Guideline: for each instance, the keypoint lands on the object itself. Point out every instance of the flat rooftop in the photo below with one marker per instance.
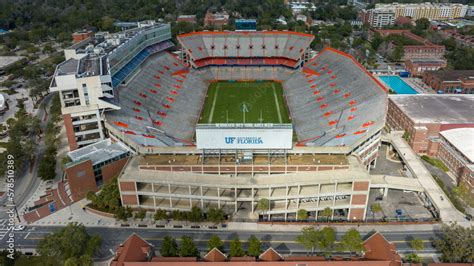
(462, 139)
(437, 108)
(98, 152)
(452, 75)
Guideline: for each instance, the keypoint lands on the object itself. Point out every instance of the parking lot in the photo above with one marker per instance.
(409, 205)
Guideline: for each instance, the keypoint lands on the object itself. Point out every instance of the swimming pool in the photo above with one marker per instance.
(398, 85)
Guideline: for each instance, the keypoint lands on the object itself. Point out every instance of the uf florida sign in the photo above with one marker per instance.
(244, 136)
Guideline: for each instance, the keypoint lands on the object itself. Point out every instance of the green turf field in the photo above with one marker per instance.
(259, 102)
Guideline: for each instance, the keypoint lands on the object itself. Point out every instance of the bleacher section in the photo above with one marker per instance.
(161, 104)
(246, 73)
(245, 48)
(135, 62)
(334, 101)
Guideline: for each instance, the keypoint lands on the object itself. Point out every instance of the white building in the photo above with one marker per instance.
(378, 18)
(94, 68)
(432, 11)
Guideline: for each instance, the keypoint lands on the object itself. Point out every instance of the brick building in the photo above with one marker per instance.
(418, 66)
(187, 18)
(457, 152)
(423, 116)
(422, 49)
(450, 81)
(79, 36)
(93, 166)
(216, 19)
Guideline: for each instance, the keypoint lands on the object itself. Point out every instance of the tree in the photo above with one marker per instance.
(351, 241)
(215, 242)
(196, 214)
(169, 247)
(327, 212)
(309, 238)
(375, 208)
(140, 214)
(160, 215)
(422, 24)
(187, 248)
(123, 213)
(236, 249)
(263, 204)
(60, 247)
(456, 244)
(327, 237)
(215, 216)
(302, 214)
(413, 258)
(417, 244)
(254, 246)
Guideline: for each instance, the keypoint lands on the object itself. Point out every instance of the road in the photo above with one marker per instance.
(283, 242)
(26, 182)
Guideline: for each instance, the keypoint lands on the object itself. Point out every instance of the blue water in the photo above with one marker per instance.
(398, 85)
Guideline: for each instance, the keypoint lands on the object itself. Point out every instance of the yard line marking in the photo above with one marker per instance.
(276, 103)
(213, 104)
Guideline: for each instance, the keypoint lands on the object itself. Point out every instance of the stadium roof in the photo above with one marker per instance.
(437, 108)
(462, 139)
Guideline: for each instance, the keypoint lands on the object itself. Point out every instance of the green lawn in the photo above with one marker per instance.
(259, 102)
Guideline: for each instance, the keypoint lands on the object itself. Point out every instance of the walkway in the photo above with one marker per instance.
(448, 213)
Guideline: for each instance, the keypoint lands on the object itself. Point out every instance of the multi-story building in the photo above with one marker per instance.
(180, 182)
(435, 11)
(93, 166)
(423, 116)
(187, 18)
(93, 69)
(457, 152)
(418, 66)
(422, 48)
(450, 81)
(377, 18)
(216, 19)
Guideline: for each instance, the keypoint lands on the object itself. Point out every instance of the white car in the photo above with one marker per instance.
(19, 227)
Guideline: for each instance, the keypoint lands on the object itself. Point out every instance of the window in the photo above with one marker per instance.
(250, 46)
(238, 46)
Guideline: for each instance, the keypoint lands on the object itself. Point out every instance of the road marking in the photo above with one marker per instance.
(276, 103)
(27, 235)
(213, 104)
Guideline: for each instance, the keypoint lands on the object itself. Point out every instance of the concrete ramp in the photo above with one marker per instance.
(395, 182)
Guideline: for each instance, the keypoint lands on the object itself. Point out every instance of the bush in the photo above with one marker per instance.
(435, 162)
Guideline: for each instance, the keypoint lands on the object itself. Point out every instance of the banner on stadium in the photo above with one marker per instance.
(254, 138)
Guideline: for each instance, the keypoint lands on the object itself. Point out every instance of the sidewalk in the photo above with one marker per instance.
(75, 213)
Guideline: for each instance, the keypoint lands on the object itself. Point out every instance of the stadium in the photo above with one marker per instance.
(233, 118)
(256, 79)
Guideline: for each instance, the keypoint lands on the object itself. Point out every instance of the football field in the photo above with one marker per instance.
(249, 102)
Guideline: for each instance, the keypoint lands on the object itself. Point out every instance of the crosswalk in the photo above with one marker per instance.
(3, 228)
